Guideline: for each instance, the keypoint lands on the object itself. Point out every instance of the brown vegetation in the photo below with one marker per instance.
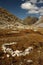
(24, 39)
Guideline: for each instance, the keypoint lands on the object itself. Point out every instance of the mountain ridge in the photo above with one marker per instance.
(8, 20)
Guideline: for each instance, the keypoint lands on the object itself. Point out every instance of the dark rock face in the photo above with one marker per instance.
(30, 20)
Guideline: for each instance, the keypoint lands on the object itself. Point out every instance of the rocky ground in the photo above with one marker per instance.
(22, 48)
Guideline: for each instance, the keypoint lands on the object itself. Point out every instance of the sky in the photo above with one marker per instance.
(23, 8)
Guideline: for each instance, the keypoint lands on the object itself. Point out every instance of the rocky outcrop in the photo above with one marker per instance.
(30, 20)
(7, 20)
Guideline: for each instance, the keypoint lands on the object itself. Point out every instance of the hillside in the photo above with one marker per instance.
(7, 19)
(25, 47)
(30, 20)
(21, 43)
(39, 23)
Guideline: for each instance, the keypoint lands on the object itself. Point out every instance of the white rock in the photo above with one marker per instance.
(8, 55)
(29, 61)
(35, 30)
(28, 49)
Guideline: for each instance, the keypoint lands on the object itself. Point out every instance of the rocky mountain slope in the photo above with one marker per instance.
(39, 23)
(30, 20)
(7, 19)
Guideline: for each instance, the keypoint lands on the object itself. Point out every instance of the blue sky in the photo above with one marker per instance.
(23, 8)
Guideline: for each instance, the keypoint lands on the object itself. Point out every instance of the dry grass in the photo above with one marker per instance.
(24, 39)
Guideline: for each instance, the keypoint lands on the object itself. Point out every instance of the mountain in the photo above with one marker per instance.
(7, 19)
(30, 20)
(39, 23)
(10, 21)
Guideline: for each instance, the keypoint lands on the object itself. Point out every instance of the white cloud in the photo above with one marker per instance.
(33, 12)
(28, 5)
(35, 1)
(41, 1)
(41, 14)
(32, 8)
(41, 9)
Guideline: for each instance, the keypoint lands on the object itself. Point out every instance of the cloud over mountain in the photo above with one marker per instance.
(32, 8)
